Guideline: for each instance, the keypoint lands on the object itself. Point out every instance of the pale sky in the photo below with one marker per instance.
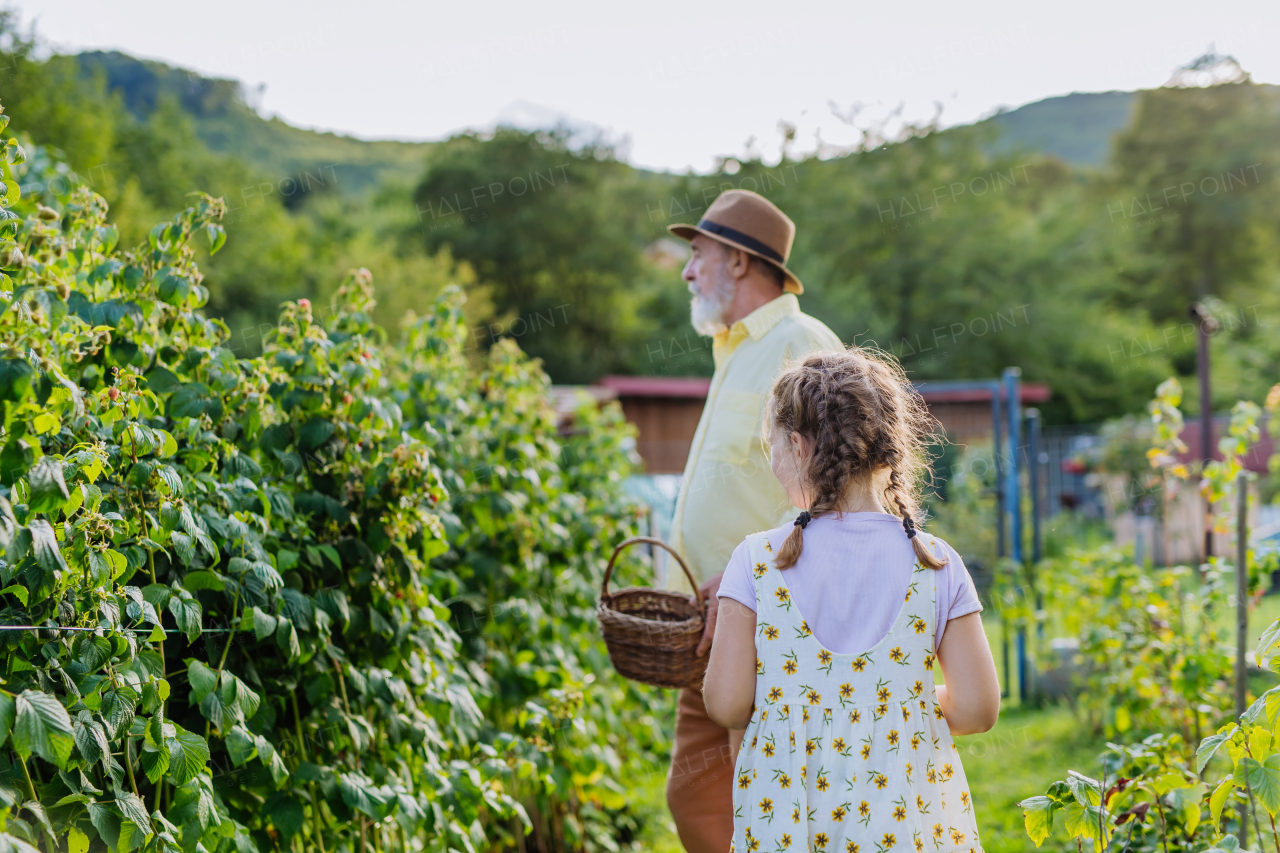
(682, 83)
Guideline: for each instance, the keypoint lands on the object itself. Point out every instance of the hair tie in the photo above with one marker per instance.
(909, 526)
(803, 519)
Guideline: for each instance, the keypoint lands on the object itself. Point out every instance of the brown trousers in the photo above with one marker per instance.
(700, 785)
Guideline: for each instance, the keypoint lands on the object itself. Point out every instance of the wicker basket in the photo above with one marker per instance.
(652, 634)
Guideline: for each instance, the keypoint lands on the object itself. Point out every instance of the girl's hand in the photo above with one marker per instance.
(730, 686)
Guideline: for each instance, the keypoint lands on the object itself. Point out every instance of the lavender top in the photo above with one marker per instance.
(852, 577)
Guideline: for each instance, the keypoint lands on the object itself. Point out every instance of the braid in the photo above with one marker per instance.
(900, 495)
(862, 418)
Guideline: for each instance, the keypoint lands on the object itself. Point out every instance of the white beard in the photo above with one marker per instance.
(707, 312)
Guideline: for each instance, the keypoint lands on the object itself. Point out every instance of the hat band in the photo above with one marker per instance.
(738, 237)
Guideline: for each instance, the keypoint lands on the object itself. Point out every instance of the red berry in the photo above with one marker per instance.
(113, 393)
(346, 398)
(304, 303)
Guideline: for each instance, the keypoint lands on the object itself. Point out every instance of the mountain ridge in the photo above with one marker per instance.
(1077, 127)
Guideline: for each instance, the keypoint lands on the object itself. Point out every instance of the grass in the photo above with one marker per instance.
(1027, 749)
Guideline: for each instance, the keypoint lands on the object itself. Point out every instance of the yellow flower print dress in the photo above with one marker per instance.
(847, 753)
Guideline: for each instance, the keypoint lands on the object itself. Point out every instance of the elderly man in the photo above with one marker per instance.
(744, 298)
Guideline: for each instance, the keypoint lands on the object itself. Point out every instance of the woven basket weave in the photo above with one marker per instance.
(652, 634)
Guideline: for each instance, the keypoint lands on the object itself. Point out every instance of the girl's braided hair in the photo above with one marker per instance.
(863, 419)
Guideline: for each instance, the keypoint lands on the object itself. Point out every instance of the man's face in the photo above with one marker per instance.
(711, 284)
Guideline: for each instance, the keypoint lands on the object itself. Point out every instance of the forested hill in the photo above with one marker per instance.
(228, 125)
(1076, 127)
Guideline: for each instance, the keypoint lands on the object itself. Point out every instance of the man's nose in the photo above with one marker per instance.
(687, 273)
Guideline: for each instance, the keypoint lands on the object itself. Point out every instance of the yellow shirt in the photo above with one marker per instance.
(728, 491)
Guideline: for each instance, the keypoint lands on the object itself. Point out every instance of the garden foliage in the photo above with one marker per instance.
(245, 577)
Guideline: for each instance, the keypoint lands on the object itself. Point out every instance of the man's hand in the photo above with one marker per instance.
(708, 594)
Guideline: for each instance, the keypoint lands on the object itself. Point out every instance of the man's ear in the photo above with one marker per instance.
(739, 263)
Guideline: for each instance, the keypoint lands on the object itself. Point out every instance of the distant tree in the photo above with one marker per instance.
(556, 232)
(1194, 177)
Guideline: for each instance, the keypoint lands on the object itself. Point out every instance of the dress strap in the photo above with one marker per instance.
(773, 598)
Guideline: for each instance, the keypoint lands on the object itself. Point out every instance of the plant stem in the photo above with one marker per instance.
(50, 844)
(231, 635)
(315, 817)
(128, 763)
(1164, 826)
(342, 684)
(302, 753)
(1275, 839)
(30, 787)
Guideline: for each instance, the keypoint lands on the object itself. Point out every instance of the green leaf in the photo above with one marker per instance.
(7, 711)
(186, 612)
(16, 375)
(315, 432)
(193, 400)
(15, 459)
(155, 761)
(77, 841)
(105, 821)
(48, 488)
(287, 639)
(285, 813)
(19, 592)
(203, 580)
(264, 624)
(240, 746)
(237, 695)
(174, 288)
(1218, 799)
(1264, 781)
(202, 679)
(44, 543)
(133, 809)
(42, 727)
(118, 709)
(158, 595)
(1037, 814)
(162, 380)
(91, 739)
(361, 794)
(169, 477)
(217, 236)
(188, 755)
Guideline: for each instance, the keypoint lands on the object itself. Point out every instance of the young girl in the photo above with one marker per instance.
(829, 631)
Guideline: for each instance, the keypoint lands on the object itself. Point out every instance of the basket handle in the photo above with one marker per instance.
(636, 540)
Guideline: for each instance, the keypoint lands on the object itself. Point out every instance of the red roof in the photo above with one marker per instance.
(698, 388)
(1029, 392)
(658, 386)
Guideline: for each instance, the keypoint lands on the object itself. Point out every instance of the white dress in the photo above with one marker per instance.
(847, 753)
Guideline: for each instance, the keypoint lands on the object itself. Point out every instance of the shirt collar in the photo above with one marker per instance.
(758, 323)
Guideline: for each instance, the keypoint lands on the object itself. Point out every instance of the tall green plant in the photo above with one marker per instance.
(234, 633)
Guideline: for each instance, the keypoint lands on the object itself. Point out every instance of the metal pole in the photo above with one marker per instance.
(1012, 393)
(1242, 614)
(1206, 326)
(1034, 463)
(997, 428)
(1242, 586)
(1013, 493)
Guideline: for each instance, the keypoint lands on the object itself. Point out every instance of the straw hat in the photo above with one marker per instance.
(750, 222)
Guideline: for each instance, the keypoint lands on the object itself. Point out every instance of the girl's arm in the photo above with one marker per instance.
(970, 699)
(729, 690)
